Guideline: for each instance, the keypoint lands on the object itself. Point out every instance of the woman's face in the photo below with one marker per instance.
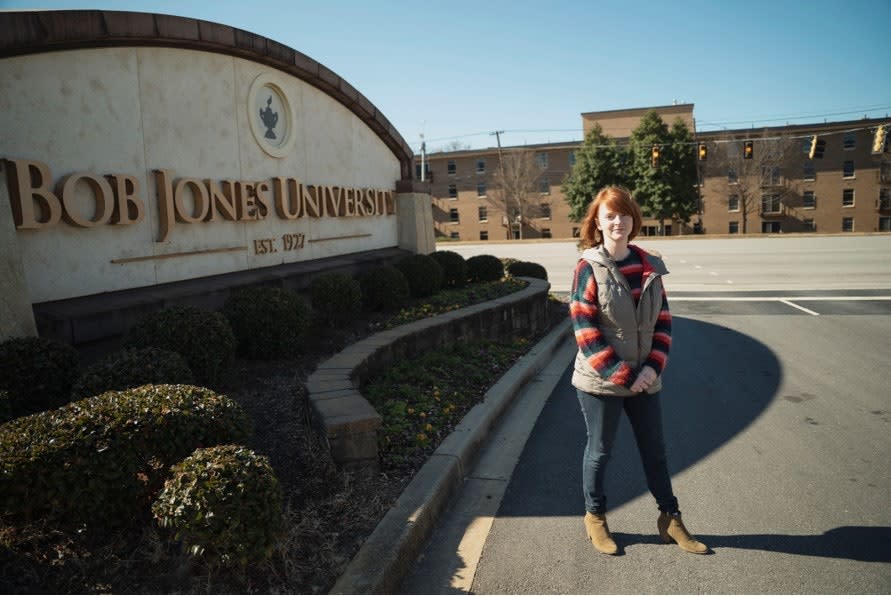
(613, 224)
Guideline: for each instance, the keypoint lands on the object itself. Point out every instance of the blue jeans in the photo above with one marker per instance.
(602, 421)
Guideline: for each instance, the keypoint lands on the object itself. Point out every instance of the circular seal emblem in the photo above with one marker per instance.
(271, 116)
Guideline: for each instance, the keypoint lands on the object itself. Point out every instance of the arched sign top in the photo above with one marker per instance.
(50, 31)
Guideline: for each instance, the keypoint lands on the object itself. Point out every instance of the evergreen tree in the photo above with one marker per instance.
(599, 162)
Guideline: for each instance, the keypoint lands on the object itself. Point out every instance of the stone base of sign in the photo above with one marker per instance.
(16, 317)
(102, 317)
(415, 211)
(350, 423)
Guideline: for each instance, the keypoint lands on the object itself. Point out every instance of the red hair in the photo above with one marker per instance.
(618, 199)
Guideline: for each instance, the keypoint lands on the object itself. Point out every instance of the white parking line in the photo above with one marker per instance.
(807, 310)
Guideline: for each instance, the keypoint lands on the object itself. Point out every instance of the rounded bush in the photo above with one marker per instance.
(37, 373)
(204, 338)
(527, 269)
(268, 322)
(384, 288)
(336, 297)
(102, 459)
(454, 268)
(423, 273)
(484, 268)
(224, 503)
(133, 367)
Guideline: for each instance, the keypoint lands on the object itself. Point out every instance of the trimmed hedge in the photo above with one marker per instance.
(423, 273)
(102, 459)
(336, 297)
(223, 503)
(133, 367)
(267, 322)
(454, 268)
(37, 373)
(527, 269)
(484, 268)
(384, 288)
(204, 338)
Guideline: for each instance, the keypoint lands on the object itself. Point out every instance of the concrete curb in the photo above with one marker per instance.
(387, 555)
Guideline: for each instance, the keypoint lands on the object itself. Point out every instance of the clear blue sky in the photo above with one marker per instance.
(457, 70)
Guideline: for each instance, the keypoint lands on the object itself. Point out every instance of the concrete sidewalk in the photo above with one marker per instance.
(389, 553)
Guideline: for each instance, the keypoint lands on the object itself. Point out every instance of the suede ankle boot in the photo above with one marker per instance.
(671, 528)
(598, 532)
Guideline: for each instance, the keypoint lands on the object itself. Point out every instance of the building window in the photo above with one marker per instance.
(733, 203)
(453, 215)
(848, 197)
(810, 226)
(732, 177)
(545, 210)
(428, 174)
(806, 145)
(848, 169)
(484, 234)
(576, 232)
(733, 227)
(810, 171)
(484, 214)
(453, 191)
(884, 199)
(481, 166)
(451, 168)
(770, 227)
(808, 200)
(480, 189)
(544, 187)
(571, 159)
(850, 141)
(770, 176)
(541, 159)
(885, 224)
(847, 224)
(455, 235)
(546, 232)
(771, 204)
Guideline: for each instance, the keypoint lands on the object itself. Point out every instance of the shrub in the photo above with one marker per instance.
(268, 322)
(454, 268)
(484, 268)
(204, 338)
(133, 367)
(384, 288)
(101, 459)
(37, 373)
(336, 297)
(527, 269)
(423, 273)
(224, 503)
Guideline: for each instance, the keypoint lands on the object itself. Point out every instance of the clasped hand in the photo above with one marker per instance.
(645, 378)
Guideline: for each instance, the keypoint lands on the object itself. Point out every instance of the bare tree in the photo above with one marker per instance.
(759, 181)
(516, 185)
(453, 145)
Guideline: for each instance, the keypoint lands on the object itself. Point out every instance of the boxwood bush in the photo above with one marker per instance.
(102, 459)
(336, 297)
(454, 268)
(204, 338)
(384, 288)
(37, 373)
(423, 273)
(484, 268)
(133, 367)
(527, 269)
(268, 322)
(223, 503)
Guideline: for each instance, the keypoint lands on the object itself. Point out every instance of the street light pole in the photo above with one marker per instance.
(510, 228)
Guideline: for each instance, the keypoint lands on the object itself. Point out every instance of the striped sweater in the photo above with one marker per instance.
(584, 313)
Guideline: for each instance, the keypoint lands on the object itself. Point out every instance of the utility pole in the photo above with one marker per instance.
(510, 224)
(423, 158)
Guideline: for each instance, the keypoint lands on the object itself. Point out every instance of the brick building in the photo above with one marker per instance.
(779, 189)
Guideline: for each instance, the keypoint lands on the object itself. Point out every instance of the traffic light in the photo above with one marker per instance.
(703, 151)
(655, 156)
(748, 150)
(880, 142)
(818, 145)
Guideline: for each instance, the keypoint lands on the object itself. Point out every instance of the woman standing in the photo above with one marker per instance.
(623, 329)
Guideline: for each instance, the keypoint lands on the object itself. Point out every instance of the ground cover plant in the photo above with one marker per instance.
(326, 512)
